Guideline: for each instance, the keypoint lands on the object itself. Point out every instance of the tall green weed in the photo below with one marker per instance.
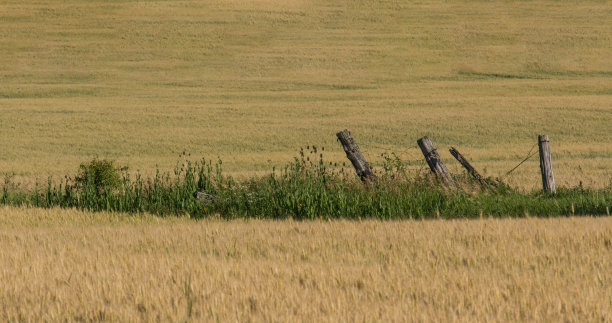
(306, 188)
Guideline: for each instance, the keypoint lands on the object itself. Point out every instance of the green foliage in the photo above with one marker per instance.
(101, 175)
(307, 188)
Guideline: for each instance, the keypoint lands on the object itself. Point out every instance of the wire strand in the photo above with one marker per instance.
(530, 154)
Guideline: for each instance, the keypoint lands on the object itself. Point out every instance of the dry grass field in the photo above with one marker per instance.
(252, 81)
(58, 265)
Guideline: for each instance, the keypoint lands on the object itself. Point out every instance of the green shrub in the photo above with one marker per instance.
(101, 175)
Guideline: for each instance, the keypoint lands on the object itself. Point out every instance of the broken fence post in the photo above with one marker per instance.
(548, 179)
(433, 160)
(354, 155)
(468, 167)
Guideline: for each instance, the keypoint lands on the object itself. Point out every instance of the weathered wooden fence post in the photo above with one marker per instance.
(354, 155)
(548, 179)
(433, 160)
(468, 167)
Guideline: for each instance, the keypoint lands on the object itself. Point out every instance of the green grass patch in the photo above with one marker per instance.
(307, 188)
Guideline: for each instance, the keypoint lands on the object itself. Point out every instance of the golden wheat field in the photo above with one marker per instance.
(67, 265)
(251, 81)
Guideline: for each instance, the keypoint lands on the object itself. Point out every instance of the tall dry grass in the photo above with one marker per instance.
(67, 265)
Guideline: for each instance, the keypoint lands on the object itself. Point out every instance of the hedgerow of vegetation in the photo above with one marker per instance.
(307, 188)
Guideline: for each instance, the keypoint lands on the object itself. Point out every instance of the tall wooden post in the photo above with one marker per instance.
(433, 160)
(548, 179)
(468, 167)
(354, 155)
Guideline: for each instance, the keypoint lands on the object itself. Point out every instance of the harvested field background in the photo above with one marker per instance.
(65, 264)
(252, 81)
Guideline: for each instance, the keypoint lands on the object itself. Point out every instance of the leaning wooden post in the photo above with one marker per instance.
(354, 155)
(548, 179)
(468, 167)
(433, 160)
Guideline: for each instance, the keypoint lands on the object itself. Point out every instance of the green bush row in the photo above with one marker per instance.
(303, 189)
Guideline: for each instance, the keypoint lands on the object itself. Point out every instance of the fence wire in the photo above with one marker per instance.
(530, 154)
